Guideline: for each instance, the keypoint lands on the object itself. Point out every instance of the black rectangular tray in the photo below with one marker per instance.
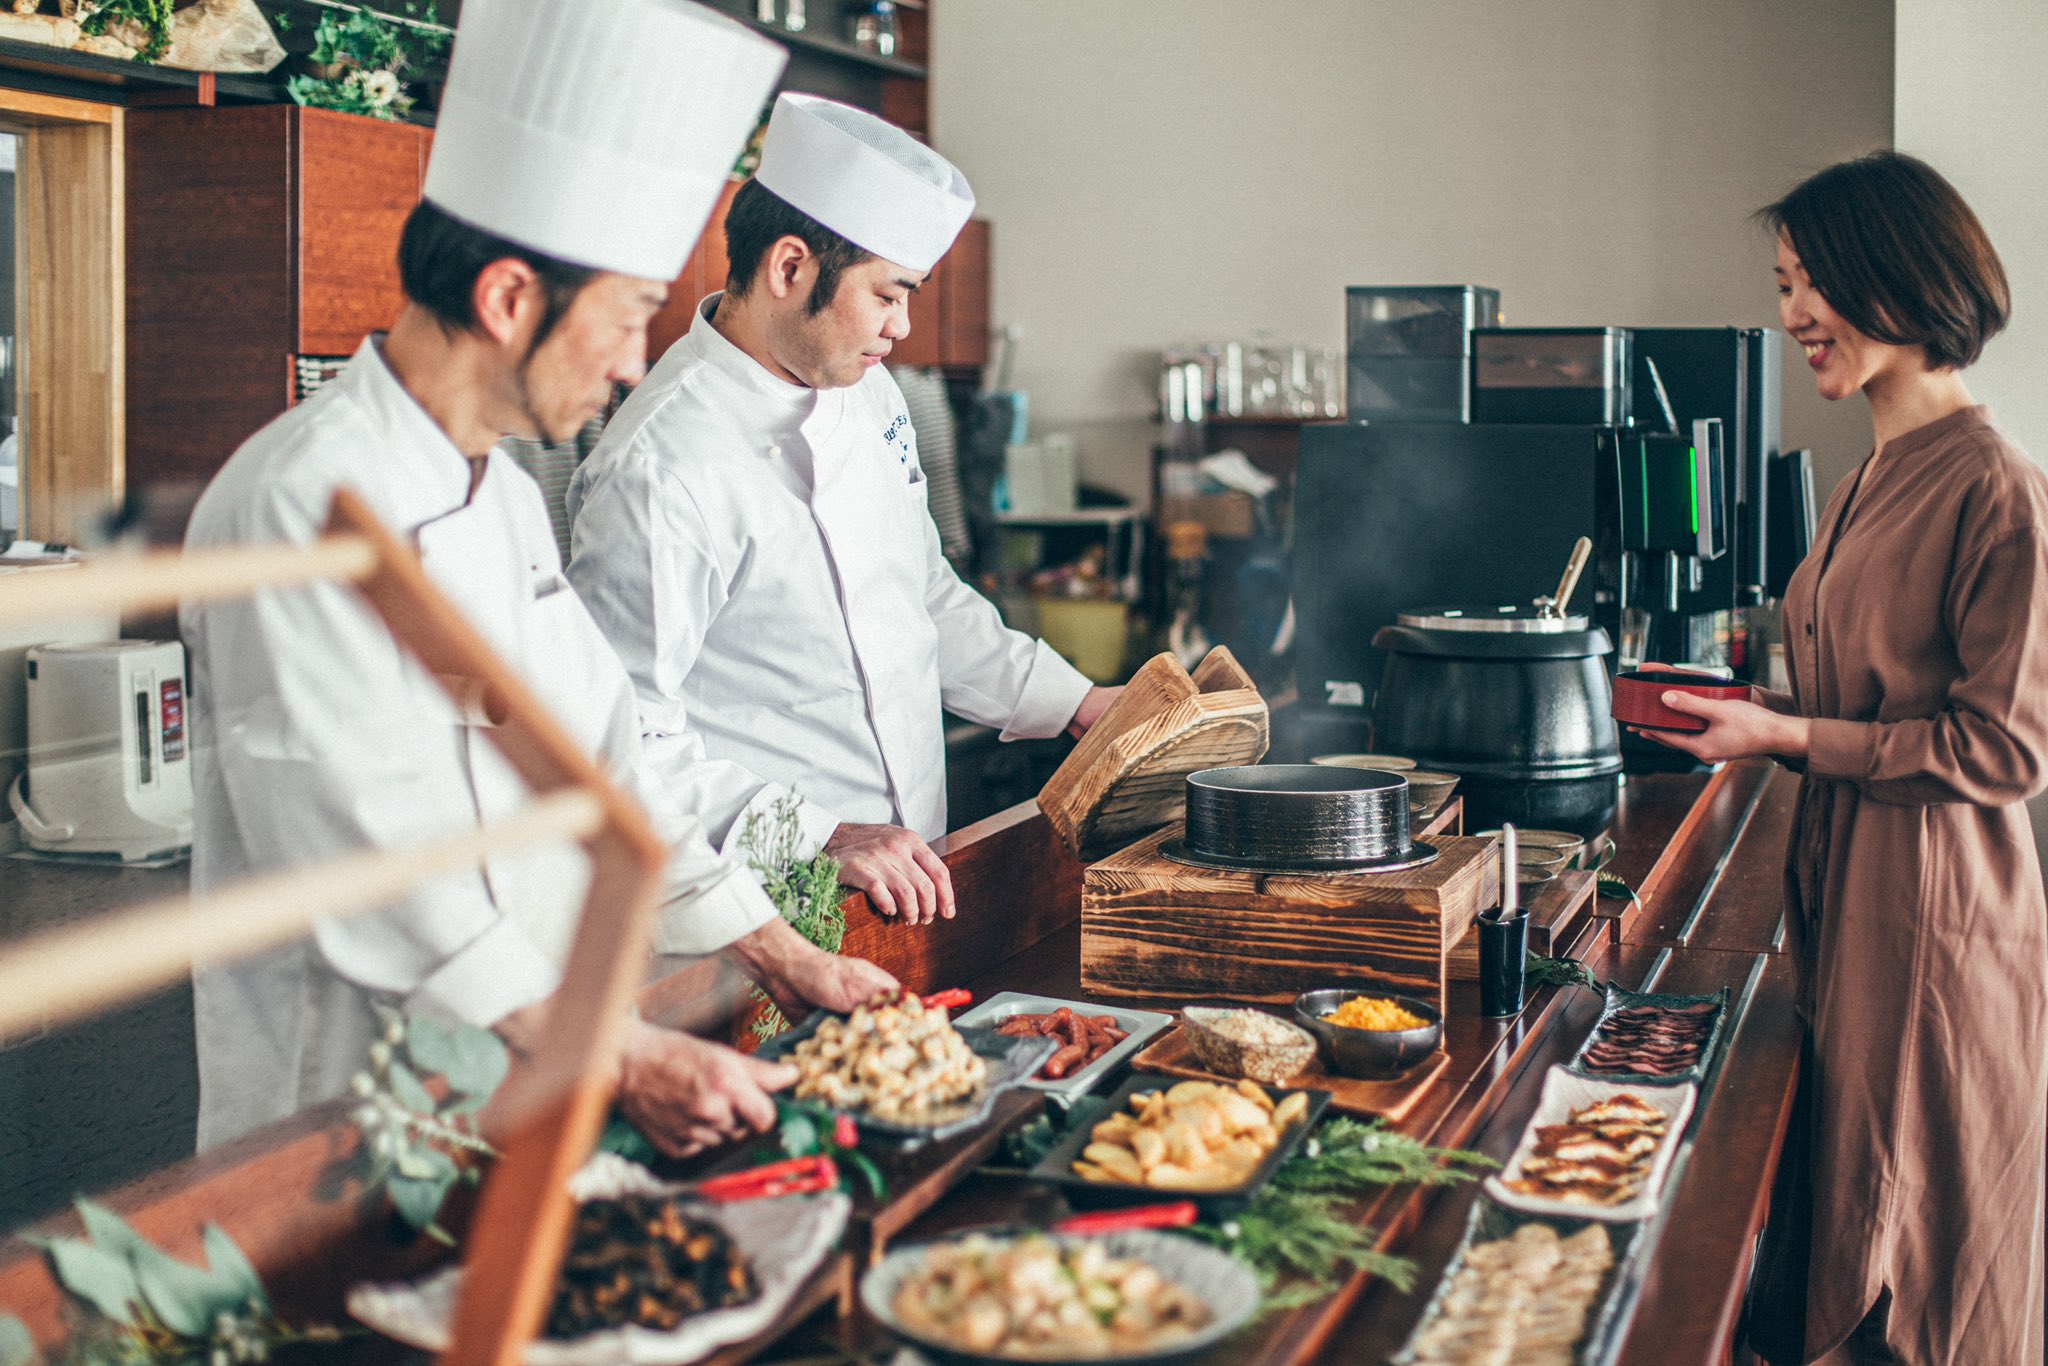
(1057, 1167)
(1489, 1222)
(1011, 1062)
(1619, 999)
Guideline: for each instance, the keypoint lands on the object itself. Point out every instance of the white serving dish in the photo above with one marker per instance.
(785, 1239)
(1141, 1025)
(1564, 1092)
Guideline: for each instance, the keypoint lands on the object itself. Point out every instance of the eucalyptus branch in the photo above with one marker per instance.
(134, 1304)
(411, 1141)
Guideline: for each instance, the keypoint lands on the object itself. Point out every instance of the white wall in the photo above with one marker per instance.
(1171, 170)
(1972, 100)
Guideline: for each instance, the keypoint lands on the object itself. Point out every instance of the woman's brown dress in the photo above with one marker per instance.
(1917, 637)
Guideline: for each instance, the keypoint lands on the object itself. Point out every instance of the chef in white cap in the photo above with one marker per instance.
(578, 152)
(752, 533)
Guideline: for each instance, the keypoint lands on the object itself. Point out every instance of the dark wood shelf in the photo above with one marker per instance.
(840, 49)
(114, 80)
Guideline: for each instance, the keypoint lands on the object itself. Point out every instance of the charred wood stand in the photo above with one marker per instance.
(1704, 851)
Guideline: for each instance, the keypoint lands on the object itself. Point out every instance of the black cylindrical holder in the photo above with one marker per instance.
(1503, 953)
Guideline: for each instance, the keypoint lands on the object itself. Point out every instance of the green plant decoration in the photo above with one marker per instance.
(417, 1146)
(804, 1131)
(805, 890)
(1539, 971)
(138, 1304)
(153, 17)
(1298, 1234)
(360, 62)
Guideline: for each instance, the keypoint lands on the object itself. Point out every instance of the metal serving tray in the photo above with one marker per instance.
(1490, 1222)
(1142, 1026)
(1620, 999)
(1010, 1063)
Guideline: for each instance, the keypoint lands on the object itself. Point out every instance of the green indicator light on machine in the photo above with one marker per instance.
(1692, 468)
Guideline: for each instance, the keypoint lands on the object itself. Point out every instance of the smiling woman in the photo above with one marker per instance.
(1919, 715)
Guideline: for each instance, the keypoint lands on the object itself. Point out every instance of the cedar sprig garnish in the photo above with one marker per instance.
(1349, 1154)
(1299, 1234)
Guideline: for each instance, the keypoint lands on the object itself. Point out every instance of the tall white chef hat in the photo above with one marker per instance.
(864, 178)
(598, 134)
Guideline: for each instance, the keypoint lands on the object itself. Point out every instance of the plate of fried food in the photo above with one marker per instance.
(1124, 1298)
(1092, 1040)
(1215, 1143)
(1532, 1290)
(1595, 1149)
(652, 1274)
(901, 1068)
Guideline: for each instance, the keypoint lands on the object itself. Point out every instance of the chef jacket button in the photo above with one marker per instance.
(775, 453)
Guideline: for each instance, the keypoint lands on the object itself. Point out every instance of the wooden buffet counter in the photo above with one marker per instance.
(1704, 852)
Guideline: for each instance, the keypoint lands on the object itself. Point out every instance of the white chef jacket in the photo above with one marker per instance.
(775, 585)
(317, 733)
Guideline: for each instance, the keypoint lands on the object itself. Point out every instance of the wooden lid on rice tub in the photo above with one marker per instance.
(1128, 776)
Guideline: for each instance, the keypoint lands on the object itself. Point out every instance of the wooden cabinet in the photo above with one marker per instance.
(255, 233)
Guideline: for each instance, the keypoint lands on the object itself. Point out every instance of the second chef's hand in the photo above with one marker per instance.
(897, 869)
(1095, 702)
(798, 975)
(686, 1094)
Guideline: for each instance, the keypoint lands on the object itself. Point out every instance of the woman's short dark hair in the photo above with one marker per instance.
(758, 219)
(440, 258)
(1894, 249)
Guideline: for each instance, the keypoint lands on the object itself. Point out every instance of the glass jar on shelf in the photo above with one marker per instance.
(874, 27)
(785, 14)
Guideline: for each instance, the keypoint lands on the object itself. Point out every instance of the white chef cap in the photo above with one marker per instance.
(598, 134)
(864, 178)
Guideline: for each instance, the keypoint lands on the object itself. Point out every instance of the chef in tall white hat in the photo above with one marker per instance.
(752, 533)
(578, 153)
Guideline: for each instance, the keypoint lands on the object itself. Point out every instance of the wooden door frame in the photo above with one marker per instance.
(70, 294)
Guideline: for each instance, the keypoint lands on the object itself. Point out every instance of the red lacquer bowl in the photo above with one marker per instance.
(1638, 697)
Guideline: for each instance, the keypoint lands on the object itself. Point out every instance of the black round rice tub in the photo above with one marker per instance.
(1298, 818)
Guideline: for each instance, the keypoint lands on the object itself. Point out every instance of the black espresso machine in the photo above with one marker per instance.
(1445, 522)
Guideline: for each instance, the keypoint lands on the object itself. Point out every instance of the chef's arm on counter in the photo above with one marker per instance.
(895, 867)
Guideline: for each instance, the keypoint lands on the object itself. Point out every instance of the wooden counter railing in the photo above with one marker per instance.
(1705, 850)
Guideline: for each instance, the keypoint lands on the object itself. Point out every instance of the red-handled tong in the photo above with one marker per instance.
(796, 1176)
(949, 1000)
(1179, 1214)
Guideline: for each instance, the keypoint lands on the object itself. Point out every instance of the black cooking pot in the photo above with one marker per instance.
(1515, 703)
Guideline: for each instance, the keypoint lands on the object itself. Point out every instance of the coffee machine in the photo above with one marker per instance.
(1672, 488)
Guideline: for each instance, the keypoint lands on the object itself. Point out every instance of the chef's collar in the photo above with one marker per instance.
(719, 350)
(434, 474)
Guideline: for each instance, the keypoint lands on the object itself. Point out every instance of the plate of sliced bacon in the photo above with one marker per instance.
(1653, 1039)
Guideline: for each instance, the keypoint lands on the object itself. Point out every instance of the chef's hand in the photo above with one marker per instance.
(1090, 711)
(898, 871)
(688, 1094)
(1735, 730)
(798, 975)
